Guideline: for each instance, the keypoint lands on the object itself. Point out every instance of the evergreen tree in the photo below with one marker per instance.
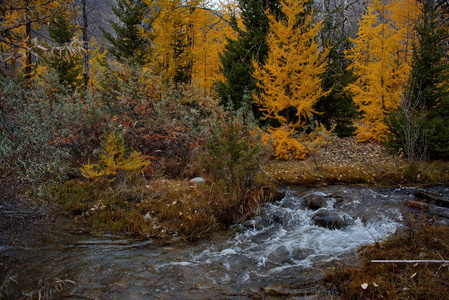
(237, 58)
(420, 126)
(129, 44)
(337, 108)
(70, 67)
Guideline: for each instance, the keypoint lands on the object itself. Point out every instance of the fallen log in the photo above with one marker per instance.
(417, 204)
(429, 208)
(438, 211)
(431, 198)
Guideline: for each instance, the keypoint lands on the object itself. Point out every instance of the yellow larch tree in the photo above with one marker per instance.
(189, 35)
(19, 19)
(171, 52)
(380, 60)
(290, 78)
(210, 29)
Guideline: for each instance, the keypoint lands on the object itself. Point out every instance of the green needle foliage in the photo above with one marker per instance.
(238, 55)
(129, 44)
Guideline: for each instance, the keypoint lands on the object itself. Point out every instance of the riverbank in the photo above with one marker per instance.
(280, 253)
(344, 161)
(408, 266)
(180, 209)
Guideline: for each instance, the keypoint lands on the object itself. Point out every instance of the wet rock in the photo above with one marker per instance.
(265, 234)
(277, 217)
(340, 201)
(280, 255)
(315, 201)
(331, 219)
(279, 195)
(301, 254)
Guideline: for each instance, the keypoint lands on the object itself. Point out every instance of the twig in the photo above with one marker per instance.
(274, 180)
(413, 261)
(374, 238)
(313, 157)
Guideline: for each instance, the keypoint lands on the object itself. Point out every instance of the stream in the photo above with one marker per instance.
(281, 252)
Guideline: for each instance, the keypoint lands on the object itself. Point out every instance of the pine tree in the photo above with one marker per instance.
(69, 67)
(129, 44)
(290, 78)
(420, 126)
(237, 57)
(337, 110)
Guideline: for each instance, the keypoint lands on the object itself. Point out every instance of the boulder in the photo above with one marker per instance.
(331, 219)
(315, 201)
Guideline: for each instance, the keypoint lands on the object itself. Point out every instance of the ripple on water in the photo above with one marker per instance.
(281, 246)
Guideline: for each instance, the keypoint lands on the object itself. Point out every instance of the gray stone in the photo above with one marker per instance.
(331, 219)
(280, 255)
(198, 180)
(314, 201)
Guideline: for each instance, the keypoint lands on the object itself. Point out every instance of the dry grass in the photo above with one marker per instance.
(346, 162)
(162, 208)
(398, 280)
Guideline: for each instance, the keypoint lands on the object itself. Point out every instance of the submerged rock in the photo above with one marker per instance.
(331, 219)
(280, 255)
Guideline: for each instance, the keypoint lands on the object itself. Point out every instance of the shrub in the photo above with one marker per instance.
(26, 149)
(231, 159)
(115, 162)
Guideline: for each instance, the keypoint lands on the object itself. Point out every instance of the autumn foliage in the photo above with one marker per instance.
(158, 79)
(381, 59)
(290, 79)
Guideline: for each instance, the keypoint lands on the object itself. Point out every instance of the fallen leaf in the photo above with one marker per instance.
(364, 286)
(375, 284)
(414, 274)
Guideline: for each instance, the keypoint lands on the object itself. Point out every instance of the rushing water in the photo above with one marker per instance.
(280, 252)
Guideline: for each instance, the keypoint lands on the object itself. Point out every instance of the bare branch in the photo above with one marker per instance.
(413, 261)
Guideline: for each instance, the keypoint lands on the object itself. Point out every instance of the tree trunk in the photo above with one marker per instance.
(85, 43)
(28, 44)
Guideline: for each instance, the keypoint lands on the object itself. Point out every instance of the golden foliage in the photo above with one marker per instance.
(285, 145)
(114, 160)
(19, 19)
(189, 37)
(381, 61)
(290, 79)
